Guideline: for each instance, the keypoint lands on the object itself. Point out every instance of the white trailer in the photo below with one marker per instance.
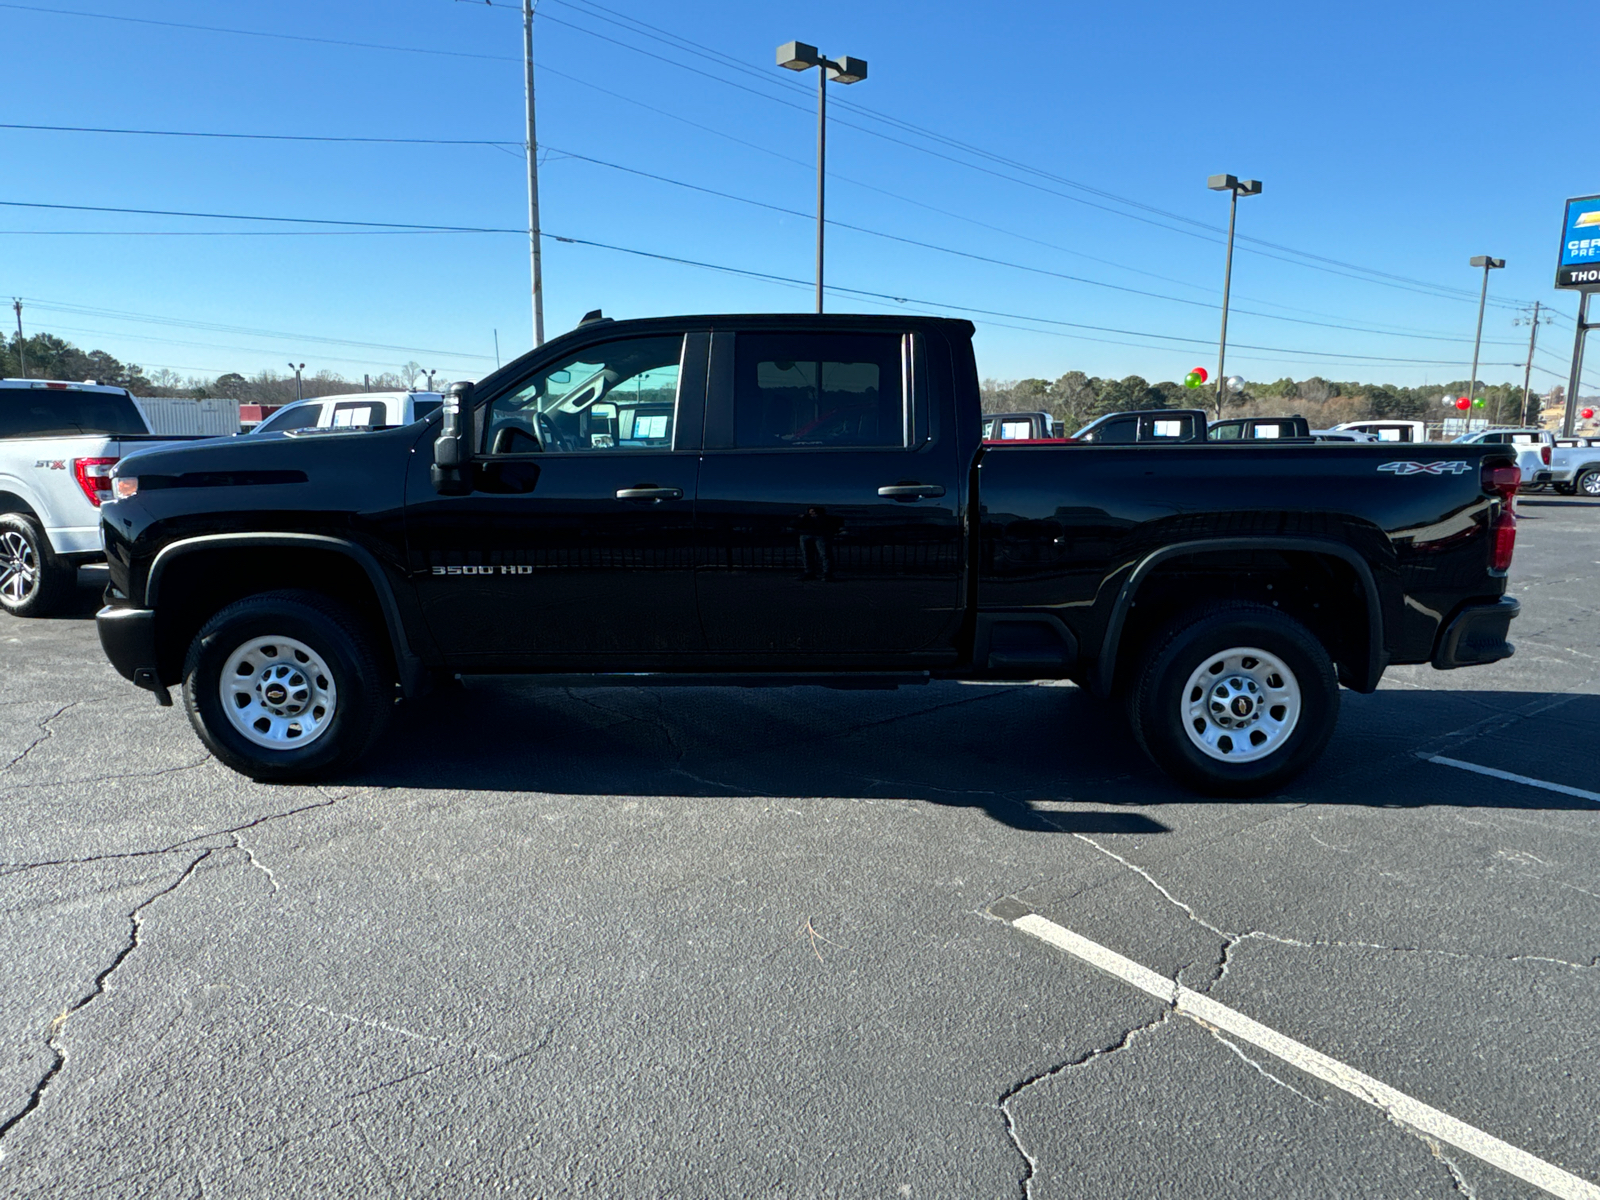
(171, 415)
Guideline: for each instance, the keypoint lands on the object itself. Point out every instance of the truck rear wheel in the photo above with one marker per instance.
(1589, 482)
(1236, 701)
(285, 686)
(33, 583)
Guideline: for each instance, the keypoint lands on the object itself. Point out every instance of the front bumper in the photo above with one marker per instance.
(1477, 635)
(128, 636)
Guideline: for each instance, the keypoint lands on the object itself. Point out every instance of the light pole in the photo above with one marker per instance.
(798, 56)
(297, 370)
(1488, 264)
(1235, 188)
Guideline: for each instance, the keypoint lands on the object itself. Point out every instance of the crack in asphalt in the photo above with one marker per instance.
(120, 775)
(47, 733)
(176, 847)
(1030, 1163)
(98, 989)
(1261, 936)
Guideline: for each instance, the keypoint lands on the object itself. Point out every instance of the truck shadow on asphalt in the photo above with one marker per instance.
(1039, 759)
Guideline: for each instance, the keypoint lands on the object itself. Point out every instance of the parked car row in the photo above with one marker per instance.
(1567, 465)
(59, 442)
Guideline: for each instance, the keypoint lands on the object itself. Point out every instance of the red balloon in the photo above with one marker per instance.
(1463, 403)
(1201, 371)
(1588, 414)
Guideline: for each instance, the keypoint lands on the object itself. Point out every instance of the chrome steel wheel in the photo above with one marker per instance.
(1240, 705)
(1589, 485)
(278, 693)
(19, 568)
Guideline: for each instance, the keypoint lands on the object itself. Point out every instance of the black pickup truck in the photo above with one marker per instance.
(792, 499)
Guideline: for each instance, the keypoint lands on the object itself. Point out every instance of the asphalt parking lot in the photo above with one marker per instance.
(712, 942)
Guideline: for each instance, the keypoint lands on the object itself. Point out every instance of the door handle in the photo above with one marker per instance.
(911, 491)
(649, 492)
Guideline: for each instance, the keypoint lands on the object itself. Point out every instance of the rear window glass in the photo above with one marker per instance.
(34, 412)
(818, 390)
(425, 408)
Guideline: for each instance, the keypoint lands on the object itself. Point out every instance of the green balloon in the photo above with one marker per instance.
(1191, 380)
(1478, 403)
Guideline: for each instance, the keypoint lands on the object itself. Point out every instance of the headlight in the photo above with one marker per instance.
(125, 486)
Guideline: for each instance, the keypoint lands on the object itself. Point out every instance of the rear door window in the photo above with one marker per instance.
(818, 390)
(357, 412)
(35, 412)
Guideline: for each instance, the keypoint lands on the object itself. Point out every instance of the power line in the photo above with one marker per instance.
(1328, 264)
(395, 227)
(1438, 290)
(903, 300)
(60, 306)
(261, 137)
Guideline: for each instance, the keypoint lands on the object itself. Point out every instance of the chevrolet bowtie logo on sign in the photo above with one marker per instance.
(1433, 468)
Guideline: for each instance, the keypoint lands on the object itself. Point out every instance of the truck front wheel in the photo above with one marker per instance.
(1236, 701)
(285, 686)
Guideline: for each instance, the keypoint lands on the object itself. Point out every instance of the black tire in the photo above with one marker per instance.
(1162, 702)
(361, 692)
(1565, 489)
(1588, 484)
(33, 581)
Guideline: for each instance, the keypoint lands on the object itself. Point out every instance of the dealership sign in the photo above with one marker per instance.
(1580, 245)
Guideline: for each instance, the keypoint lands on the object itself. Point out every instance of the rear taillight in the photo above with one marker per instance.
(94, 477)
(1503, 481)
(1544, 453)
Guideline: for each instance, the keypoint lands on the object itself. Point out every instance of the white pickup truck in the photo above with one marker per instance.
(58, 443)
(1575, 467)
(359, 410)
(1535, 449)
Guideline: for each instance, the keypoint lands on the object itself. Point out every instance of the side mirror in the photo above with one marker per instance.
(452, 449)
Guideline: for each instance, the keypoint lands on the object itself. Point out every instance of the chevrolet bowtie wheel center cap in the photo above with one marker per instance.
(1240, 705)
(278, 692)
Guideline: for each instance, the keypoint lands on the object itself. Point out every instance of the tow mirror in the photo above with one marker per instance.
(452, 449)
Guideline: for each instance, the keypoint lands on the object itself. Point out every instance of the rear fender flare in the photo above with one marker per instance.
(1105, 669)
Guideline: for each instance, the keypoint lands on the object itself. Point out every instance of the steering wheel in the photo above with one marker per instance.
(548, 435)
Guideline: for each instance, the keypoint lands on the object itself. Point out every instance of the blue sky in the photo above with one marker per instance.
(1068, 141)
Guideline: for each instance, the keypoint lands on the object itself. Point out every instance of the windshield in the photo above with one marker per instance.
(34, 412)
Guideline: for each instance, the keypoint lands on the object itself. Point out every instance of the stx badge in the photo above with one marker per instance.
(1433, 468)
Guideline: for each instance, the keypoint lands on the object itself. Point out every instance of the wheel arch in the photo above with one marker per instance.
(12, 502)
(201, 575)
(1361, 666)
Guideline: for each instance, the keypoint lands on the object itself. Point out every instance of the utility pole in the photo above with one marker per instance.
(533, 175)
(22, 350)
(496, 349)
(1527, 373)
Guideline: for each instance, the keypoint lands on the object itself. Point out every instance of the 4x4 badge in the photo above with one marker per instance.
(1433, 468)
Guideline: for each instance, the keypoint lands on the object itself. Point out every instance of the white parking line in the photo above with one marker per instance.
(1509, 777)
(1203, 1010)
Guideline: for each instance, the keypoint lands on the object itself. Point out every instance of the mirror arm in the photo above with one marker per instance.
(452, 449)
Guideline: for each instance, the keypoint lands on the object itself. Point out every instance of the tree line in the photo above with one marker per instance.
(1075, 399)
(50, 357)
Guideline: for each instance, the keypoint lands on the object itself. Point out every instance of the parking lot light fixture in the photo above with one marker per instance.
(798, 56)
(1488, 264)
(1235, 188)
(297, 369)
